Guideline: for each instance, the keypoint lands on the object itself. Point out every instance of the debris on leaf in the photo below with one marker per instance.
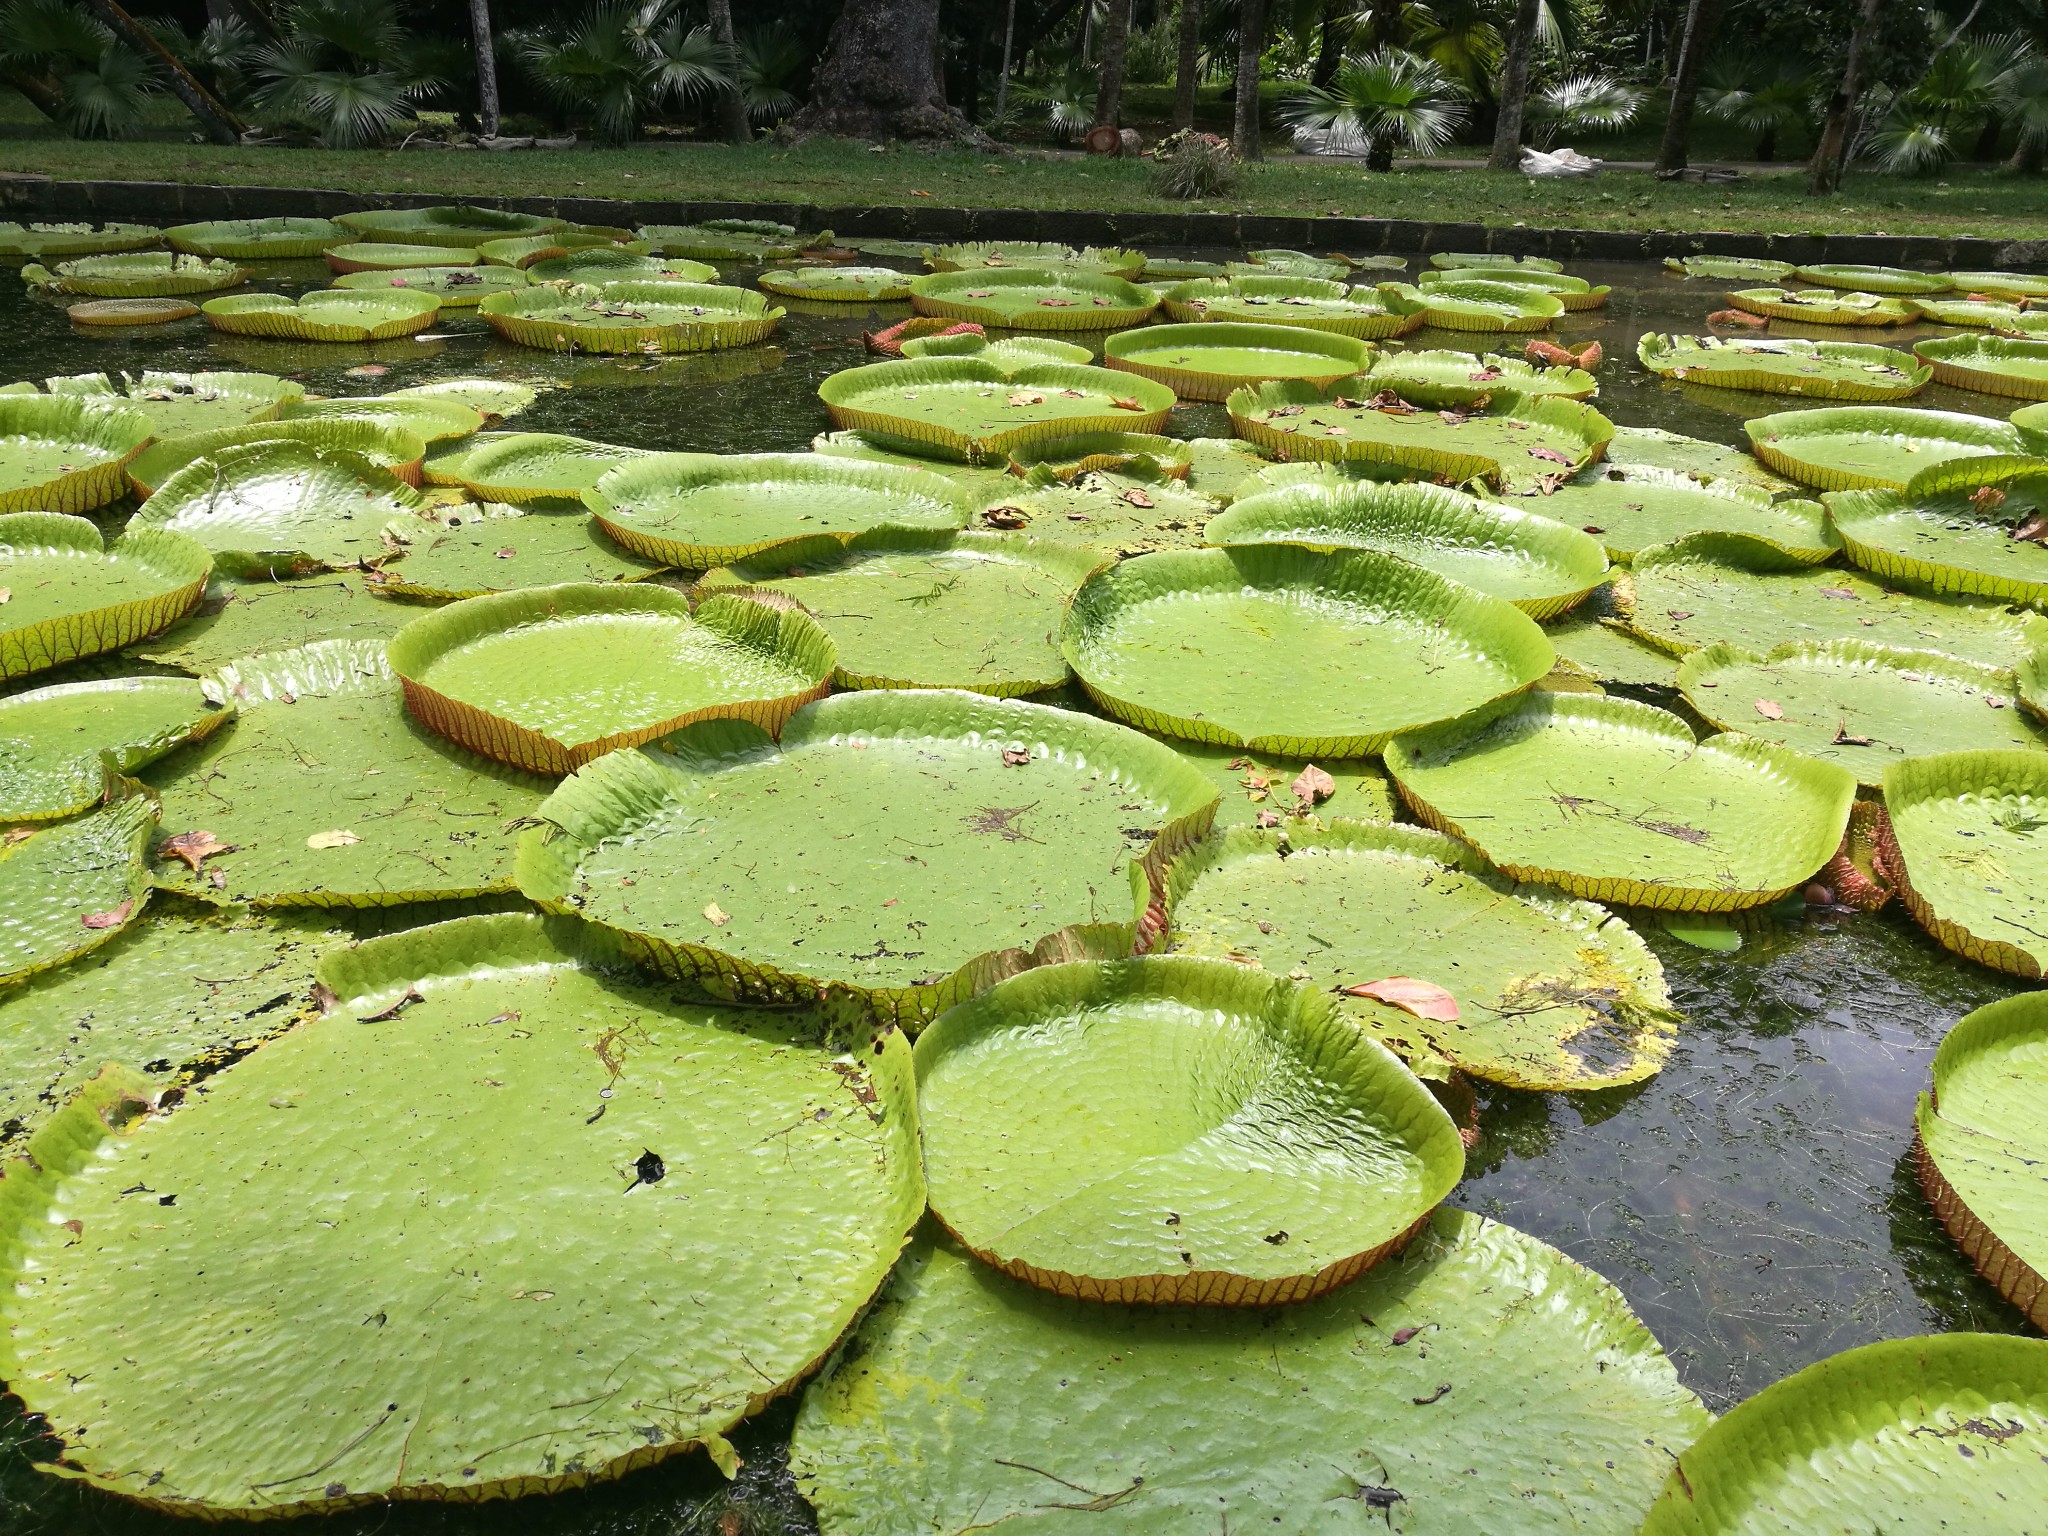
(338, 838)
(1026, 397)
(1840, 594)
(1313, 786)
(406, 999)
(1987, 498)
(1770, 709)
(192, 848)
(1016, 757)
(716, 915)
(1549, 456)
(1844, 739)
(1125, 403)
(2034, 530)
(1424, 999)
(114, 917)
(1137, 496)
(1267, 819)
(1006, 517)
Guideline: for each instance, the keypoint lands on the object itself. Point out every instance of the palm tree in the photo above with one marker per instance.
(1968, 86)
(486, 65)
(1251, 47)
(1460, 36)
(1514, 86)
(73, 68)
(1389, 98)
(1761, 94)
(1591, 101)
(1701, 18)
(1187, 72)
(345, 68)
(623, 60)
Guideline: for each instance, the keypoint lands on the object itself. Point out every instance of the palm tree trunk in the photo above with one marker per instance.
(1825, 173)
(2027, 156)
(1701, 18)
(214, 119)
(1003, 80)
(1384, 19)
(1514, 87)
(1251, 47)
(43, 93)
(730, 107)
(1188, 68)
(1116, 37)
(486, 65)
(1329, 47)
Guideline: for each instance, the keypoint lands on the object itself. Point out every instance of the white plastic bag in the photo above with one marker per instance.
(1561, 162)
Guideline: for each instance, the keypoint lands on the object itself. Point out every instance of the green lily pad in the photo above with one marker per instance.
(30, 242)
(1968, 848)
(1873, 1440)
(1991, 365)
(179, 404)
(983, 824)
(70, 596)
(933, 609)
(1477, 304)
(1446, 378)
(1551, 994)
(1518, 440)
(136, 275)
(1109, 513)
(601, 265)
(456, 225)
(282, 508)
(977, 481)
(846, 285)
(550, 678)
(450, 287)
(699, 510)
(377, 256)
(1068, 458)
(1654, 448)
(1009, 354)
(1026, 299)
(1171, 268)
(961, 407)
(473, 549)
(1615, 801)
(971, 1398)
(1540, 566)
(638, 317)
(328, 795)
(1955, 528)
(1288, 650)
(58, 744)
(247, 618)
(2032, 420)
(717, 240)
(1998, 315)
(63, 453)
(1309, 303)
(1862, 706)
(1575, 293)
(1160, 1202)
(256, 239)
(325, 314)
(1731, 269)
(1822, 306)
(1873, 447)
(492, 399)
(1628, 509)
(1595, 646)
(1709, 586)
(1823, 370)
(1255, 786)
(1208, 361)
(430, 420)
(1856, 278)
(519, 467)
(2001, 285)
(71, 887)
(1453, 260)
(1981, 1146)
(525, 250)
(1286, 263)
(746, 1267)
(1038, 255)
(394, 449)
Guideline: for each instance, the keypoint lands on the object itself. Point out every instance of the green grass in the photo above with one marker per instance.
(1983, 203)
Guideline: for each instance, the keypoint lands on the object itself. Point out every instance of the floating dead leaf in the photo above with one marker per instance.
(18, 835)
(980, 293)
(1138, 496)
(1392, 404)
(1770, 709)
(716, 915)
(1056, 303)
(192, 848)
(366, 371)
(1313, 786)
(1016, 757)
(1267, 819)
(1547, 485)
(1679, 615)
(113, 917)
(2034, 530)
(1295, 410)
(338, 838)
(1424, 999)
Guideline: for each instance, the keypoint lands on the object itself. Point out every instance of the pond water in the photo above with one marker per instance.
(1755, 1201)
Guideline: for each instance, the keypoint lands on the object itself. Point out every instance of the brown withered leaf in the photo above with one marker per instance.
(1016, 757)
(1424, 999)
(113, 917)
(1770, 709)
(1126, 403)
(1138, 496)
(1313, 786)
(1006, 517)
(192, 848)
(1844, 739)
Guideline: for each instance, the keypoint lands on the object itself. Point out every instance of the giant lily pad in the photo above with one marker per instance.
(929, 609)
(2001, 285)
(1629, 509)
(450, 287)
(452, 226)
(982, 825)
(1574, 293)
(1855, 278)
(1860, 705)
(1208, 361)
(471, 549)
(1967, 526)
(247, 618)
(57, 744)
(1310, 303)
(961, 407)
(324, 793)
(1451, 261)
(376, 256)
(73, 886)
(429, 419)
(137, 275)
(1291, 264)
(699, 510)
(1523, 439)
(1968, 846)
(29, 242)
(492, 399)
(282, 508)
(1615, 801)
(1654, 448)
(1873, 447)
(525, 250)
(1124, 513)
(630, 317)
(746, 1267)
(70, 596)
(256, 239)
(1991, 365)
(325, 314)
(2000, 316)
(1160, 1202)
(394, 449)
(1822, 306)
(129, 312)
(1038, 255)
(1287, 650)
(1730, 269)
(1258, 790)
(1824, 370)
(1550, 993)
(1906, 1435)
(179, 404)
(549, 678)
(1708, 587)
(1540, 566)
(1068, 458)
(520, 467)
(971, 1398)
(1066, 299)
(1478, 305)
(839, 285)
(730, 240)
(1982, 1146)
(1439, 377)
(601, 265)
(1009, 353)
(62, 453)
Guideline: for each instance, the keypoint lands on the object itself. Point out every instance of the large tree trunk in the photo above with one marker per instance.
(486, 65)
(731, 109)
(1825, 173)
(43, 93)
(1188, 69)
(879, 78)
(1514, 88)
(1329, 47)
(214, 119)
(1109, 86)
(1003, 80)
(1701, 18)
(1383, 19)
(1251, 47)
(2027, 156)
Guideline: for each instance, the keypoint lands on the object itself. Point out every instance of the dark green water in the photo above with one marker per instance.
(1755, 1201)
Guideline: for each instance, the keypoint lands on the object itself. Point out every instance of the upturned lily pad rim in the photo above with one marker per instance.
(1451, 260)
(790, 632)
(1442, 376)
(1860, 518)
(947, 295)
(300, 319)
(1667, 356)
(1826, 542)
(1723, 268)
(1575, 293)
(1486, 305)
(1770, 435)
(137, 275)
(1958, 775)
(184, 564)
(1970, 361)
(845, 392)
(1039, 255)
(442, 224)
(852, 285)
(1083, 452)
(1222, 990)
(202, 719)
(128, 817)
(1342, 356)
(1823, 306)
(731, 317)
(116, 432)
(1859, 277)
(1392, 309)
(397, 449)
(243, 239)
